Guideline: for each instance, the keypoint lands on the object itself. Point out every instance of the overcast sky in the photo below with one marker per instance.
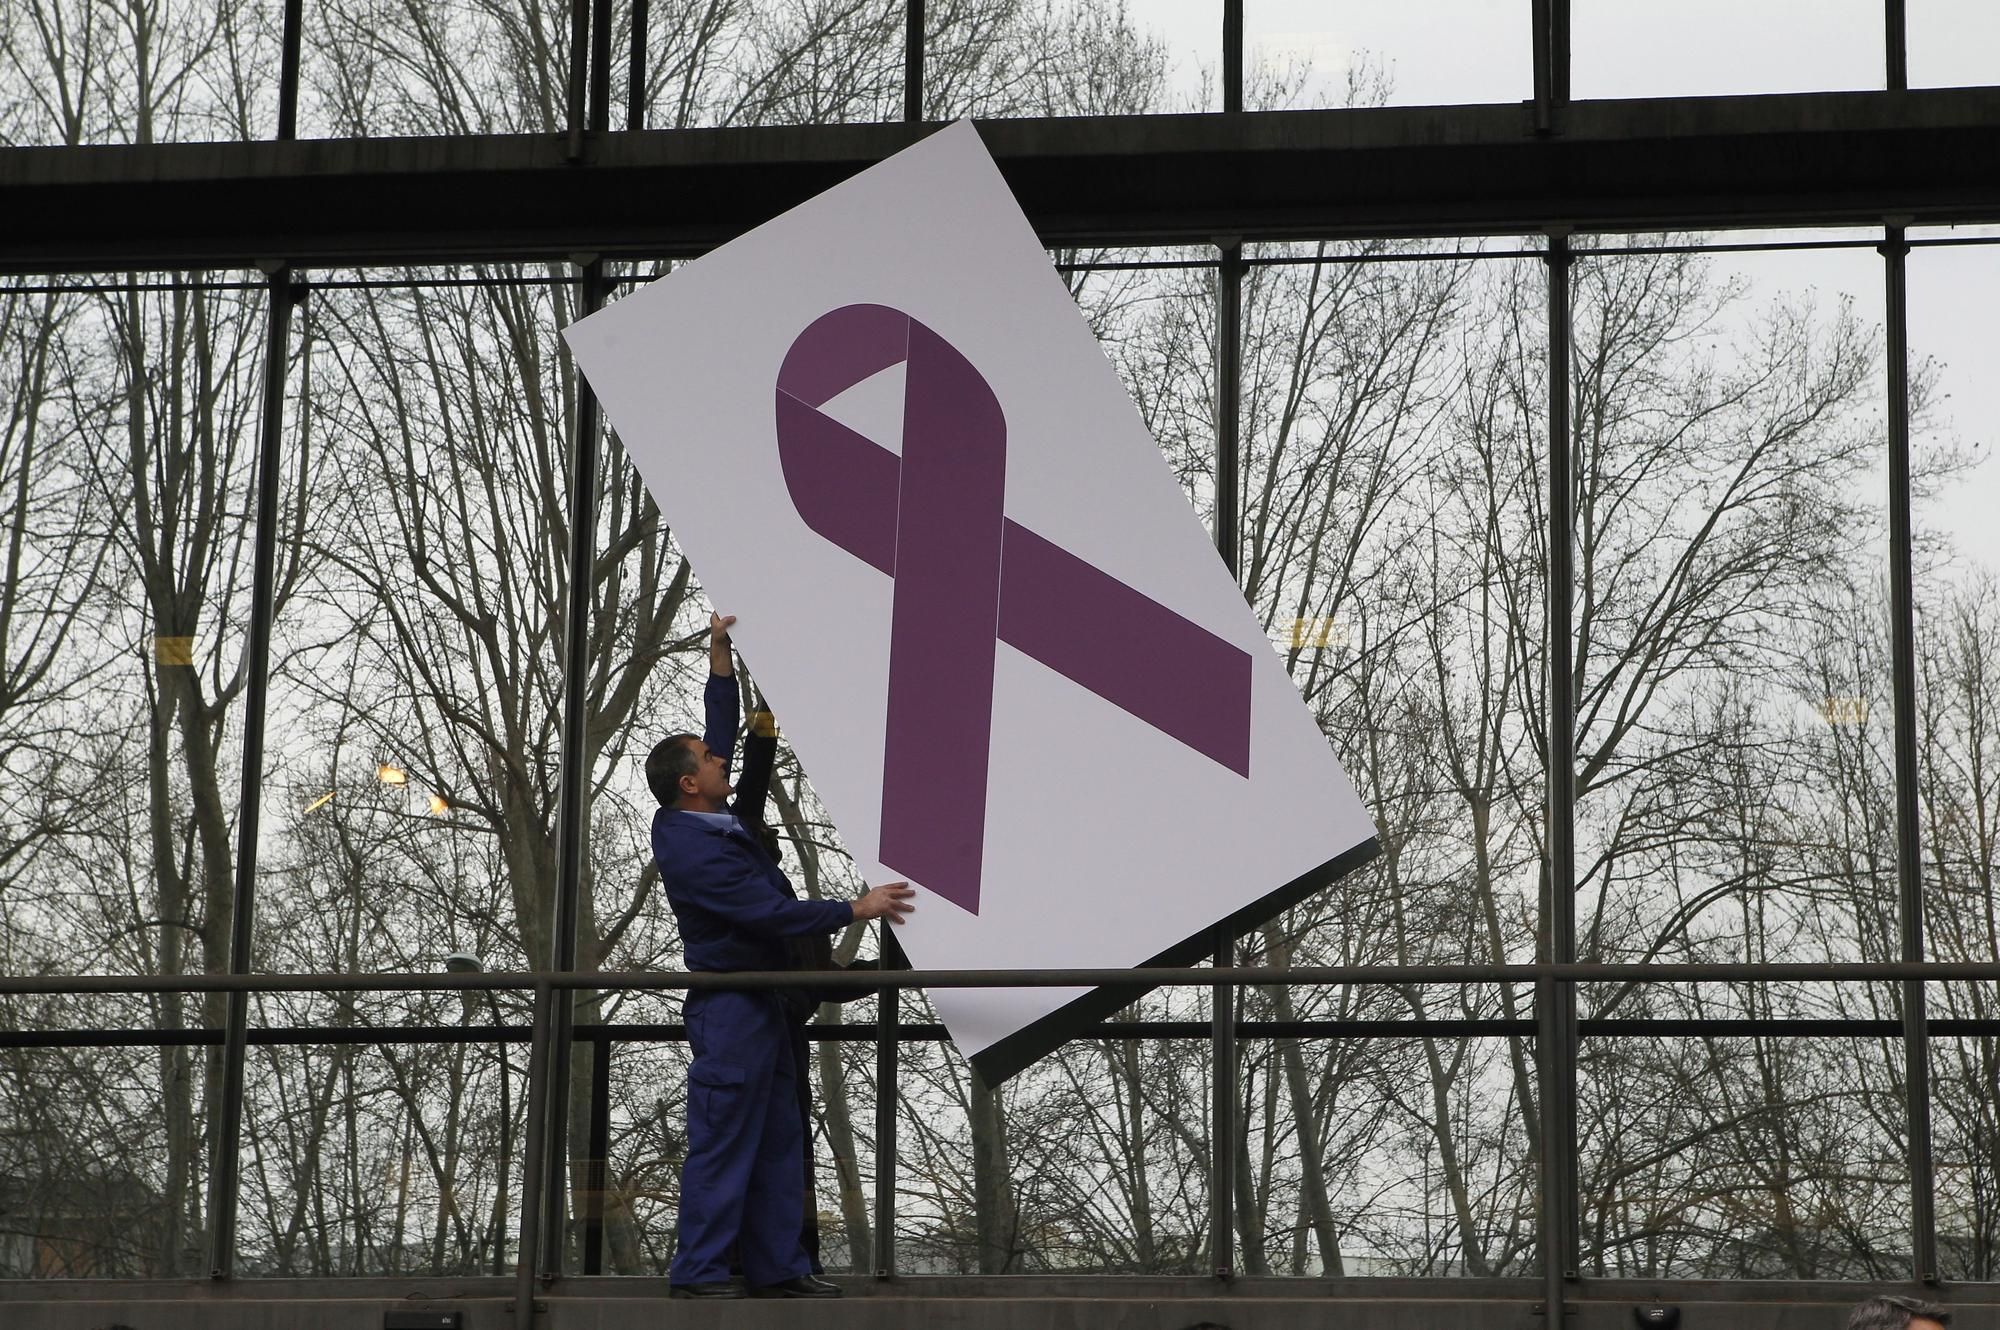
(1477, 50)
(1442, 51)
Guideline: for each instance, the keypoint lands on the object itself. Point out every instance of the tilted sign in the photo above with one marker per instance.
(996, 635)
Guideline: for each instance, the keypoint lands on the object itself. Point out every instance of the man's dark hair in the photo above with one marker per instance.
(671, 758)
(1892, 1311)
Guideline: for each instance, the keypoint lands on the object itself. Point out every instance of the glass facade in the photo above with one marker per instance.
(1642, 493)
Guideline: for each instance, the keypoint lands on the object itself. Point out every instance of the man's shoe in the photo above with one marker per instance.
(805, 1286)
(717, 1290)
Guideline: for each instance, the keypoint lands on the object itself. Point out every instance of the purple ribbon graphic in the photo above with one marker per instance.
(968, 577)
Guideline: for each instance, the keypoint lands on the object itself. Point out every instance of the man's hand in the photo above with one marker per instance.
(719, 661)
(889, 901)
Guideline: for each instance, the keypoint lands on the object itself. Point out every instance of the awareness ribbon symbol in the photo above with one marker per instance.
(967, 578)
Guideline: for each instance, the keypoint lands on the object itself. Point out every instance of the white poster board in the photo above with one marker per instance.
(992, 628)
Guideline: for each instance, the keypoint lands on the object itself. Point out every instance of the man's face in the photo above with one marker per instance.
(1924, 1323)
(710, 781)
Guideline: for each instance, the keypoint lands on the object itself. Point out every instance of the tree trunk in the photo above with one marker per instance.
(992, 1181)
(840, 1144)
(1298, 1088)
(1126, 1067)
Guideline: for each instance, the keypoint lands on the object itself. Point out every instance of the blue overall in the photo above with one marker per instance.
(742, 1184)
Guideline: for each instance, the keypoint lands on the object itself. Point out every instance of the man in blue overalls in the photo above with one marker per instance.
(742, 1184)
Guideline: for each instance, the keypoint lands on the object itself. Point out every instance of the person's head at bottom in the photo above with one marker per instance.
(1890, 1311)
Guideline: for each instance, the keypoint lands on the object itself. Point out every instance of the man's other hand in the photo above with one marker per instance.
(718, 626)
(889, 901)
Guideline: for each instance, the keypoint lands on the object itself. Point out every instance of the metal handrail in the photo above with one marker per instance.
(1139, 980)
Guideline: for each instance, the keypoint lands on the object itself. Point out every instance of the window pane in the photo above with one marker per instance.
(378, 1159)
(410, 786)
(1093, 1159)
(1743, 1157)
(477, 66)
(1075, 57)
(101, 1175)
(169, 71)
(1392, 544)
(1965, 1134)
(502, 66)
(1308, 53)
(1708, 48)
(1954, 411)
(1157, 327)
(795, 62)
(126, 454)
(1952, 43)
(1419, 1147)
(1733, 772)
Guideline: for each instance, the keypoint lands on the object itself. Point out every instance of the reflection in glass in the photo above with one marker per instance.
(1072, 58)
(1733, 773)
(1743, 1157)
(1955, 412)
(1713, 48)
(1965, 1135)
(1952, 43)
(126, 452)
(398, 1159)
(410, 764)
(168, 71)
(1392, 546)
(1303, 54)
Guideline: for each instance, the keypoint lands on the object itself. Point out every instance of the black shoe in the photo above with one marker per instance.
(717, 1290)
(805, 1286)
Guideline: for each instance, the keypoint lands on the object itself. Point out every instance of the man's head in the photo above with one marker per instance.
(1894, 1312)
(683, 773)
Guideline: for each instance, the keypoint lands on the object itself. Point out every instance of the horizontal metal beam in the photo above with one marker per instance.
(1142, 977)
(930, 1032)
(1720, 162)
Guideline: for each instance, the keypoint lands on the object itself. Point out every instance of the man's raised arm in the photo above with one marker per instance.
(722, 702)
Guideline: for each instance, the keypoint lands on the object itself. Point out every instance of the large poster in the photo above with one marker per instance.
(988, 619)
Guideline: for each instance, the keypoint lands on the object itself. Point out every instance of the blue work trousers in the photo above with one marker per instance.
(743, 1182)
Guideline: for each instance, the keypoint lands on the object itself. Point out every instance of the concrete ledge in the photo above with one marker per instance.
(1023, 1303)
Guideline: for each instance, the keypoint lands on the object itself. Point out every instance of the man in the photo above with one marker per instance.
(742, 1184)
(1894, 1312)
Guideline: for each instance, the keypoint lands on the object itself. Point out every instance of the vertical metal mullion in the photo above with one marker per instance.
(888, 1022)
(1222, 1112)
(1896, 44)
(573, 780)
(913, 62)
(600, 66)
(288, 71)
(1555, 1002)
(1539, 28)
(1228, 525)
(598, 1167)
(1903, 680)
(576, 110)
(1548, 25)
(635, 89)
(226, 1132)
(1232, 55)
(533, 1149)
(1228, 404)
(1558, 58)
